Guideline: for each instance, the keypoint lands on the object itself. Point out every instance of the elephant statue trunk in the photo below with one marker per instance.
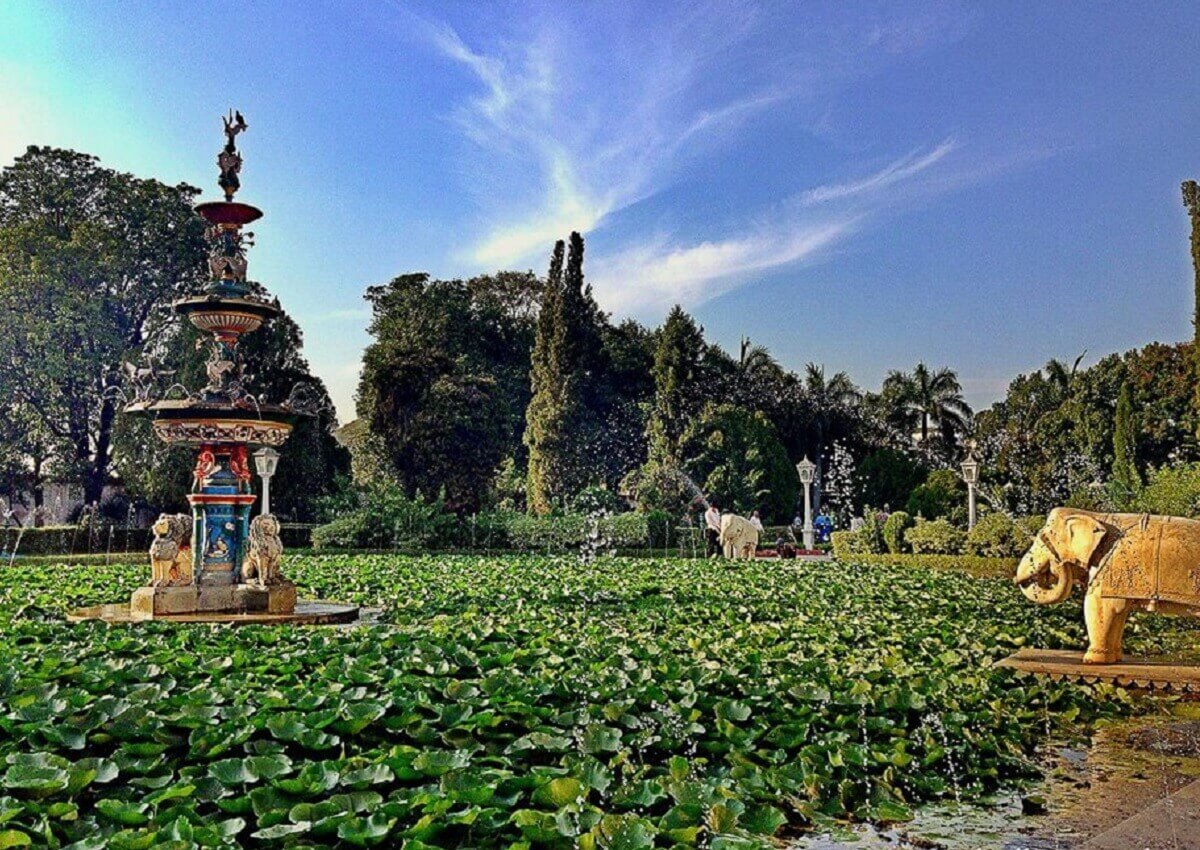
(1044, 579)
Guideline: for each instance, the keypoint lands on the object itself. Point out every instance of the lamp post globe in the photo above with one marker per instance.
(806, 469)
(970, 474)
(266, 460)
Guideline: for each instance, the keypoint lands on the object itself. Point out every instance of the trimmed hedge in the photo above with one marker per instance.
(574, 531)
(55, 540)
(894, 529)
(974, 564)
(935, 537)
(997, 536)
(72, 539)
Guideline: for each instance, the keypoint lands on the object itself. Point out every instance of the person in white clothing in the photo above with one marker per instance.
(712, 531)
(756, 521)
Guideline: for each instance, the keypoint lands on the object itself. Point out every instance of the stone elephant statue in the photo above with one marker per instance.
(1124, 562)
(739, 539)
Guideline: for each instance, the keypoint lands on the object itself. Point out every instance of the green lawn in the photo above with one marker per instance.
(513, 701)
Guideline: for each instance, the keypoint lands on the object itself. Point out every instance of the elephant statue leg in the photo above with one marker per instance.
(1105, 620)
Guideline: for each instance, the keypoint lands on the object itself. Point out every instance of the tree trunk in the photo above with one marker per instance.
(39, 493)
(97, 475)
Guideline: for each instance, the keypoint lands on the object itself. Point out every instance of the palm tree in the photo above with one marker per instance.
(754, 359)
(931, 397)
(826, 396)
(1060, 376)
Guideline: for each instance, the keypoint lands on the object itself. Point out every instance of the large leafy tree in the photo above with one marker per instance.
(90, 259)
(444, 384)
(743, 467)
(555, 400)
(1125, 477)
(623, 404)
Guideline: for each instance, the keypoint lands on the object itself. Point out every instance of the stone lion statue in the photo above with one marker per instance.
(265, 551)
(171, 550)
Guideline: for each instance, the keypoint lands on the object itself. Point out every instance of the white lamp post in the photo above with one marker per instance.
(807, 470)
(265, 461)
(970, 473)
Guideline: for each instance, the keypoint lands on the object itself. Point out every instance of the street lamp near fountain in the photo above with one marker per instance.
(265, 461)
(970, 474)
(807, 471)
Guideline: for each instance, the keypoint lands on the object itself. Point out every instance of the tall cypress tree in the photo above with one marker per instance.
(580, 315)
(1191, 202)
(544, 418)
(677, 366)
(1124, 470)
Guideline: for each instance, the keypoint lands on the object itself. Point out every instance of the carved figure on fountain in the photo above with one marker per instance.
(227, 256)
(265, 552)
(144, 379)
(170, 551)
(206, 465)
(229, 160)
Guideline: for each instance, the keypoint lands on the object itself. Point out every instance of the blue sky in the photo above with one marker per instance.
(863, 185)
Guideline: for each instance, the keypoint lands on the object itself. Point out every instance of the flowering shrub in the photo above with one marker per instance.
(935, 537)
(997, 536)
(893, 531)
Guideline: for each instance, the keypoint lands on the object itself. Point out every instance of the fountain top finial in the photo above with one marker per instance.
(229, 160)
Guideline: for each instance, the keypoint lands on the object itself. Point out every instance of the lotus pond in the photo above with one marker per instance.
(527, 701)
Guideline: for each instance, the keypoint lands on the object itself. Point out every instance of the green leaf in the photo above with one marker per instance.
(438, 762)
(281, 830)
(366, 832)
(558, 793)
(763, 820)
(122, 812)
(599, 739)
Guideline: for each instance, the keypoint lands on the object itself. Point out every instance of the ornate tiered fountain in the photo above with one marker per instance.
(218, 564)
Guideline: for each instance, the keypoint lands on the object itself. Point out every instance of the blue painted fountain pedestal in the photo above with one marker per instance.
(221, 501)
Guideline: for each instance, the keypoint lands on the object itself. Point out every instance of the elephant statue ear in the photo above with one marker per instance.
(1083, 535)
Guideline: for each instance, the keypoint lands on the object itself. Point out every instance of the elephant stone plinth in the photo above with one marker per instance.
(1134, 673)
(1124, 562)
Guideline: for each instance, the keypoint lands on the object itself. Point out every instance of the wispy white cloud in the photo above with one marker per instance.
(564, 138)
(895, 172)
(660, 273)
(582, 154)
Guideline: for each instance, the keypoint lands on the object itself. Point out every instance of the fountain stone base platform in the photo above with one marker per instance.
(232, 605)
(1144, 674)
(150, 602)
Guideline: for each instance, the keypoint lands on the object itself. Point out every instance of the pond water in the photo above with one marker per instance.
(1091, 786)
